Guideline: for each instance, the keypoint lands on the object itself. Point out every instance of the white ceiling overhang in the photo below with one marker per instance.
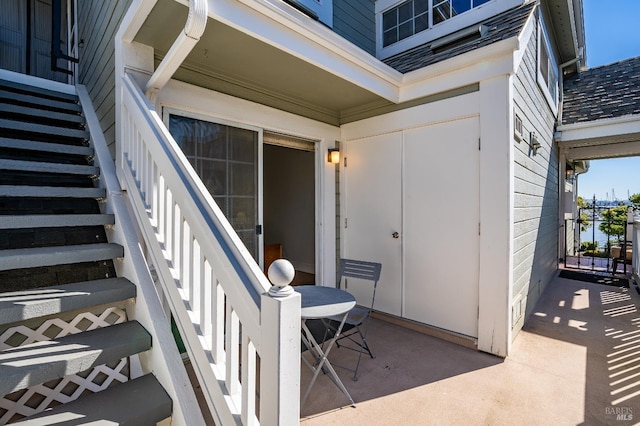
(270, 53)
(598, 139)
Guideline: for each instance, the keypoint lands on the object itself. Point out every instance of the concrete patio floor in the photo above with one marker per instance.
(577, 361)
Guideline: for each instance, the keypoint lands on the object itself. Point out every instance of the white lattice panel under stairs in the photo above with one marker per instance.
(35, 399)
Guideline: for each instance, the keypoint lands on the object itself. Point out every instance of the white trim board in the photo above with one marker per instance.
(607, 127)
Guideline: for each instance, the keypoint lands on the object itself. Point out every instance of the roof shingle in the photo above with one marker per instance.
(501, 27)
(607, 91)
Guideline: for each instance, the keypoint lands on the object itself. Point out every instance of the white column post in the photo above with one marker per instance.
(280, 355)
(496, 216)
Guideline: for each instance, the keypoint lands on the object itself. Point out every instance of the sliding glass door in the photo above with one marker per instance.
(226, 157)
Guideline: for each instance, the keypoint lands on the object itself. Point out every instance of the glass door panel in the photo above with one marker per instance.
(226, 159)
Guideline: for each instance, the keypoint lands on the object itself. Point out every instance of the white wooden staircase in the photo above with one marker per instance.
(68, 349)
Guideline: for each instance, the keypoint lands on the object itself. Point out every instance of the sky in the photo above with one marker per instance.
(613, 33)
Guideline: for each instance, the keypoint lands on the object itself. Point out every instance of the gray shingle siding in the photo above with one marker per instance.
(535, 231)
(355, 20)
(608, 91)
(503, 26)
(99, 21)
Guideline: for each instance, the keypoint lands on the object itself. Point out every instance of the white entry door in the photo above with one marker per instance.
(442, 168)
(373, 195)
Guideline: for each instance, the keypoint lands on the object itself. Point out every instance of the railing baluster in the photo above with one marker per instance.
(176, 249)
(217, 317)
(201, 288)
(146, 196)
(162, 195)
(232, 341)
(248, 376)
(137, 155)
(189, 264)
(155, 202)
(168, 225)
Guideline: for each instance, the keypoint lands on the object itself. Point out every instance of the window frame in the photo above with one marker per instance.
(551, 66)
(399, 23)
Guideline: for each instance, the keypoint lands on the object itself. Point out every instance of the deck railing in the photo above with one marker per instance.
(635, 263)
(604, 244)
(242, 342)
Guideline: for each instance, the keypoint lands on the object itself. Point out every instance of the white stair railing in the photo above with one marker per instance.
(242, 342)
(163, 360)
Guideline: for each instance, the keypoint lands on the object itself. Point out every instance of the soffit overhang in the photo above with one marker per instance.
(567, 24)
(245, 53)
(269, 53)
(598, 139)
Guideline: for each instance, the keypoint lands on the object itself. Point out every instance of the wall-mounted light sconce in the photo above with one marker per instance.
(81, 43)
(534, 145)
(570, 174)
(333, 156)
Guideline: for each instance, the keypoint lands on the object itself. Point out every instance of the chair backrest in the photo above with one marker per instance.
(360, 269)
(350, 268)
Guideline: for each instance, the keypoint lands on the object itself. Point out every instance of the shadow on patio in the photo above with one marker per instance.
(577, 361)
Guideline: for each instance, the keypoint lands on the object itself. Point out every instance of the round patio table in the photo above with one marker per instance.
(320, 302)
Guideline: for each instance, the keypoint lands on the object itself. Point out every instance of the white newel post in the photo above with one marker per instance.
(280, 362)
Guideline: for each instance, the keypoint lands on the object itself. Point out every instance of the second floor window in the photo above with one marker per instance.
(405, 20)
(547, 67)
(414, 16)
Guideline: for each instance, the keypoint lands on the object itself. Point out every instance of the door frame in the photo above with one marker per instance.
(316, 179)
(188, 97)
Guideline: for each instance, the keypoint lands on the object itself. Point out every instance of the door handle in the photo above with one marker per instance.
(395, 235)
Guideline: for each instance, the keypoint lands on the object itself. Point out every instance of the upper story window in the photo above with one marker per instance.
(405, 20)
(547, 68)
(414, 16)
(322, 10)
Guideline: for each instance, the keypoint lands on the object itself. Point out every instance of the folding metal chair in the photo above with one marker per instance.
(357, 322)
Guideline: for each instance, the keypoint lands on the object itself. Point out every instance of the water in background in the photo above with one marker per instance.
(600, 236)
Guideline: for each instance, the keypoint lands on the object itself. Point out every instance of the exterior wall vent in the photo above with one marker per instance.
(518, 131)
(459, 37)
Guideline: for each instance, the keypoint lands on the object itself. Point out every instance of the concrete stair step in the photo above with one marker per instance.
(140, 401)
(39, 101)
(23, 305)
(51, 191)
(40, 362)
(58, 255)
(37, 91)
(45, 167)
(40, 115)
(57, 148)
(54, 221)
(42, 129)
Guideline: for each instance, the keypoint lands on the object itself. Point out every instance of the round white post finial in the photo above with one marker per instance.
(281, 273)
